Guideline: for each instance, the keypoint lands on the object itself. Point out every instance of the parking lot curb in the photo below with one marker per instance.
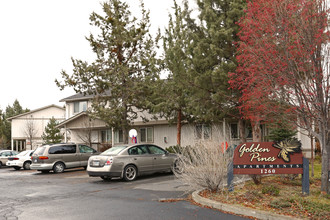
(239, 210)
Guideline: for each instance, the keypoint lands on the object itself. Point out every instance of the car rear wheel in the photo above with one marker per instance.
(130, 173)
(58, 167)
(17, 168)
(26, 165)
(0, 164)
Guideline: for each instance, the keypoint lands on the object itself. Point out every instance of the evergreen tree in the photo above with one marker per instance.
(5, 127)
(52, 135)
(3, 139)
(212, 54)
(124, 66)
(169, 96)
(281, 131)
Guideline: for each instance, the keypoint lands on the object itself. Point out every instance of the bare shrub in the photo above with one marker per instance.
(203, 166)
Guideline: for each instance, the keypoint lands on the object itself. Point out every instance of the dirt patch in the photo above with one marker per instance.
(278, 194)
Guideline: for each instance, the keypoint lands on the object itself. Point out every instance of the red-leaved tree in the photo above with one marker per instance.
(283, 71)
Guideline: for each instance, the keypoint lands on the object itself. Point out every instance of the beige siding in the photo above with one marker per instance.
(39, 120)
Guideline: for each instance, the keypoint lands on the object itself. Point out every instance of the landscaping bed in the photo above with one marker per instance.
(281, 194)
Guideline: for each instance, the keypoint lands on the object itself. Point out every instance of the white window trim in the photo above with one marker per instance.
(203, 132)
(146, 137)
(117, 138)
(80, 106)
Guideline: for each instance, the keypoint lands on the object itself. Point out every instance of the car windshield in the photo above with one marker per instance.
(23, 153)
(39, 151)
(114, 150)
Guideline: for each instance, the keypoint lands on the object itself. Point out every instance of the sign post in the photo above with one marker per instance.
(264, 158)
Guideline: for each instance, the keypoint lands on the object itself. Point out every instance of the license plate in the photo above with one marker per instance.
(96, 163)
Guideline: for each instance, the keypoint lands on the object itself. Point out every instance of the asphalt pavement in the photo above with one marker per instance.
(74, 195)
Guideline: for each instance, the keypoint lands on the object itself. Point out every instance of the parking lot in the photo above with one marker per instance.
(28, 194)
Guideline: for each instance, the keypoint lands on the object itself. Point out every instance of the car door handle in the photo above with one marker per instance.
(155, 158)
(135, 158)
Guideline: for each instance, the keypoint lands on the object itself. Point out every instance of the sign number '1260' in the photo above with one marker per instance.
(267, 171)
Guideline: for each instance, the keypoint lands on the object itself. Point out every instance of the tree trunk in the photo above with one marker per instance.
(256, 131)
(178, 137)
(125, 125)
(241, 127)
(325, 175)
(256, 135)
(125, 135)
(312, 155)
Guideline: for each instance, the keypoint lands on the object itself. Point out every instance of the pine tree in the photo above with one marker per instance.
(11, 111)
(52, 135)
(212, 55)
(169, 96)
(124, 66)
(3, 139)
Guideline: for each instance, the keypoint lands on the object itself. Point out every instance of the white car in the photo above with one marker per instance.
(20, 160)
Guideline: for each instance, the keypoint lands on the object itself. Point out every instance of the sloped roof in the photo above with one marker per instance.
(77, 97)
(81, 96)
(76, 118)
(36, 110)
(71, 119)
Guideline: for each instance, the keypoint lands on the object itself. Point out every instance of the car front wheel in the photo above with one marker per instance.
(177, 167)
(130, 173)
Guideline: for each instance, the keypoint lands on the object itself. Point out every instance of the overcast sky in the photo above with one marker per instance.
(38, 39)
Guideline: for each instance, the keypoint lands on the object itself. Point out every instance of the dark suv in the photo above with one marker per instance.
(58, 157)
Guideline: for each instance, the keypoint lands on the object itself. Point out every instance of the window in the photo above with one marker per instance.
(6, 154)
(80, 106)
(119, 137)
(114, 150)
(139, 150)
(23, 153)
(156, 150)
(106, 136)
(248, 132)
(39, 151)
(203, 131)
(234, 131)
(65, 149)
(147, 134)
(86, 149)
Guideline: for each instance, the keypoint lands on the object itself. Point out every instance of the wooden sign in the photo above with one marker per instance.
(265, 158)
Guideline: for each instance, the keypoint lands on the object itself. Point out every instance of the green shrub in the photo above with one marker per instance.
(280, 203)
(317, 208)
(271, 190)
(253, 195)
(176, 149)
(280, 132)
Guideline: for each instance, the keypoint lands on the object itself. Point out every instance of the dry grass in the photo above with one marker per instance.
(204, 166)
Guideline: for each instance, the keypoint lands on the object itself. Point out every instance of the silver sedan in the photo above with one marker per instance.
(128, 162)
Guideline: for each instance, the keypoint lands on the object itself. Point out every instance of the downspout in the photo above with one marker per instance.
(113, 137)
(65, 135)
